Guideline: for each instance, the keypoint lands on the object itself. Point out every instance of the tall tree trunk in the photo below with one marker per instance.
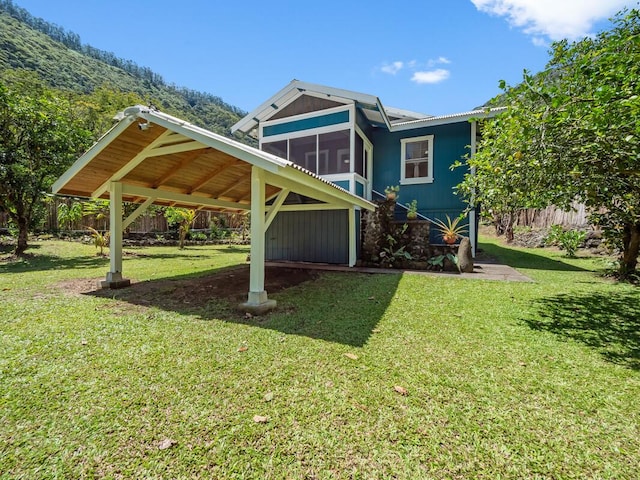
(23, 235)
(630, 250)
(508, 231)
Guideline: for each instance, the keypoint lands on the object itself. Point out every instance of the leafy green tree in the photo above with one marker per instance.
(69, 213)
(572, 133)
(40, 136)
(506, 173)
(183, 218)
(100, 106)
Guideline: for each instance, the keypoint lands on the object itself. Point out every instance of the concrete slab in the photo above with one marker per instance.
(482, 270)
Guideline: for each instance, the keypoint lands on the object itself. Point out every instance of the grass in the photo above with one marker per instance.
(503, 380)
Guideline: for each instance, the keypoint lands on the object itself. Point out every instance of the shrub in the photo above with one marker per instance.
(570, 240)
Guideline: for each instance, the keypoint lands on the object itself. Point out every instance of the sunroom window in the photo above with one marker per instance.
(417, 160)
(324, 154)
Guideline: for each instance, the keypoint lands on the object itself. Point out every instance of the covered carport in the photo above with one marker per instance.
(149, 157)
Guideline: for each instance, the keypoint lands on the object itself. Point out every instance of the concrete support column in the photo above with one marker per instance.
(114, 275)
(257, 300)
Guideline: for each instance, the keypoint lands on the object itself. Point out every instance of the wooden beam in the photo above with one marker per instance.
(84, 160)
(309, 207)
(177, 148)
(137, 212)
(306, 190)
(177, 197)
(275, 208)
(228, 189)
(244, 195)
(211, 175)
(130, 165)
(174, 171)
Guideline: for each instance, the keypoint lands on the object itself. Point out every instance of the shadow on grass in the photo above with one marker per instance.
(610, 323)
(526, 259)
(341, 307)
(37, 262)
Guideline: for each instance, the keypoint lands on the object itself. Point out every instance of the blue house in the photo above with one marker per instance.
(354, 141)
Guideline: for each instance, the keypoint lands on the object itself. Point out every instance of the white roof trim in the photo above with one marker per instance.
(253, 156)
(446, 119)
(93, 151)
(264, 111)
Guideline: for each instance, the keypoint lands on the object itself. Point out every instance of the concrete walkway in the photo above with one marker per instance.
(482, 270)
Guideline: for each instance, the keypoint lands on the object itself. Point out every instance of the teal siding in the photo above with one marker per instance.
(450, 143)
(306, 124)
(437, 199)
(342, 183)
(359, 189)
(363, 123)
(315, 236)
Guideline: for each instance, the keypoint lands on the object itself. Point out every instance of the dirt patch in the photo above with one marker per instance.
(231, 285)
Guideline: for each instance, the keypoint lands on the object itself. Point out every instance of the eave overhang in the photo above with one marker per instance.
(155, 155)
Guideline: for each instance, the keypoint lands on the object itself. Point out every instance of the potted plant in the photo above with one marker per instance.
(451, 230)
(392, 192)
(412, 210)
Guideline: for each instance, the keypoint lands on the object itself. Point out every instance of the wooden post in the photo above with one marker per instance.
(353, 253)
(114, 275)
(257, 300)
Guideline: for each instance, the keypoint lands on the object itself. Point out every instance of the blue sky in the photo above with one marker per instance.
(435, 57)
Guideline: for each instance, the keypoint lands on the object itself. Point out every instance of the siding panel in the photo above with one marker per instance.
(318, 236)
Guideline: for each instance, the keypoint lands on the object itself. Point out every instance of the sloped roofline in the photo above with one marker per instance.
(251, 155)
(446, 119)
(291, 90)
(264, 111)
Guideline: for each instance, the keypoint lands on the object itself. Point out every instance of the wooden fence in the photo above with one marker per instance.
(151, 222)
(553, 216)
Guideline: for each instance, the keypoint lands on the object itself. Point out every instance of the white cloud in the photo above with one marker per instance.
(555, 19)
(392, 68)
(438, 61)
(433, 76)
(540, 42)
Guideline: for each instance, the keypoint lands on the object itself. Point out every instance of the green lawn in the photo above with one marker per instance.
(503, 380)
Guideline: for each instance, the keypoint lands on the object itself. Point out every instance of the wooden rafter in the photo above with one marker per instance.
(212, 174)
(129, 166)
(226, 190)
(244, 195)
(174, 171)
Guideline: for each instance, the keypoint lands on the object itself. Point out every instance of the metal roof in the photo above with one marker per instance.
(445, 119)
(156, 155)
(370, 105)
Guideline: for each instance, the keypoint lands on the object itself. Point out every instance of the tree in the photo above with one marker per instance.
(506, 173)
(69, 213)
(571, 133)
(40, 136)
(183, 218)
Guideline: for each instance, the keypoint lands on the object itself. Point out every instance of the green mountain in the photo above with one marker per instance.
(60, 58)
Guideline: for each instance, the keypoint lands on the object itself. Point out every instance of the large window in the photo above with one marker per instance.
(417, 160)
(277, 148)
(336, 146)
(324, 154)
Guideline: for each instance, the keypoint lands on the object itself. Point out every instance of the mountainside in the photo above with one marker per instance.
(65, 63)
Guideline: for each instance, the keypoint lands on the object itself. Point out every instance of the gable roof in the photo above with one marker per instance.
(370, 105)
(394, 119)
(158, 156)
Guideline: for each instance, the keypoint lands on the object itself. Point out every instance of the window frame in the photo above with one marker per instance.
(403, 161)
